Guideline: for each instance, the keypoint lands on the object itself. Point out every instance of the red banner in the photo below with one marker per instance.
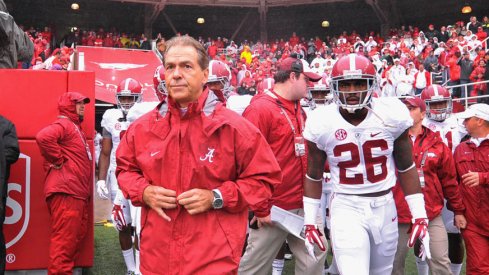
(112, 65)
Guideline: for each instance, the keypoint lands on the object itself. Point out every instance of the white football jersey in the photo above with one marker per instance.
(139, 109)
(238, 103)
(112, 123)
(360, 157)
(450, 130)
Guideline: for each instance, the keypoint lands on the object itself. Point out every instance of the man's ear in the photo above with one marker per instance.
(206, 76)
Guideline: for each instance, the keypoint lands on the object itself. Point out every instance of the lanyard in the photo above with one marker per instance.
(82, 137)
(282, 110)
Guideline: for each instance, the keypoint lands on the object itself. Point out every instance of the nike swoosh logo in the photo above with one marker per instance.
(394, 219)
(373, 135)
(155, 153)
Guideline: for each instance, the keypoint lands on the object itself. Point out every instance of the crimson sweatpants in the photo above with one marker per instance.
(477, 247)
(69, 221)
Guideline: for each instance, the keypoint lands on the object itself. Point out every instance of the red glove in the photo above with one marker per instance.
(313, 237)
(419, 231)
(118, 217)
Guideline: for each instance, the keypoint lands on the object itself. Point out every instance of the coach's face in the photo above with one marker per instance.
(185, 78)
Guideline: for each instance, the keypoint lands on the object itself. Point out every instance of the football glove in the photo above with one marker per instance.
(313, 237)
(102, 190)
(419, 232)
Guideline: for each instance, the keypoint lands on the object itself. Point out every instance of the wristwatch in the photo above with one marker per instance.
(217, 203)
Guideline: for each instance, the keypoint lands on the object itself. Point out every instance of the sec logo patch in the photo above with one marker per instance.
(340, 134)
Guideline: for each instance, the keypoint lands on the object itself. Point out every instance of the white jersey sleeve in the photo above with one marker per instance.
(139, 109)
(360, 157)
(238, 103)
(113, 122)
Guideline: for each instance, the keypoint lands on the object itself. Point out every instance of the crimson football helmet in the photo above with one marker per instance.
(265, 85)
(220, 72)
(437, 95)
(128, 87)
(159, 83)
(353, 67)
(319, 92)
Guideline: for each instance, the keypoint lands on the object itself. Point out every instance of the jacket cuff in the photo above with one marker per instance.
(483, 178)
(459, 212)
(139, 196)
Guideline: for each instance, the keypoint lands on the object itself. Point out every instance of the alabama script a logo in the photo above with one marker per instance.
(209, 155)
(18, 202)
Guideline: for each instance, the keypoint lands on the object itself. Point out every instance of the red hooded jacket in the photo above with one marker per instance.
(63, 143)
(469, 157)
(439, 177)
(208, 147)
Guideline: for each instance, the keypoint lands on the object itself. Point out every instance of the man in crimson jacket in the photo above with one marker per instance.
(436, 170)
(195, 167)
(68, 183)
(472, 163)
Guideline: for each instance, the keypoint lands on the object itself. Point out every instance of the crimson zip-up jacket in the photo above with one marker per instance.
(439, 176)
(469, 157)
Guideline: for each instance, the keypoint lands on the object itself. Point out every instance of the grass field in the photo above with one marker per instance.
(108, 258)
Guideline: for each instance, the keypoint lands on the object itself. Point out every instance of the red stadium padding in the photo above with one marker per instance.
(112, 65)
(29, 99)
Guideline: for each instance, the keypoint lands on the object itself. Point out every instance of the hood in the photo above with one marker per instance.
(3, 6)
(67, 102)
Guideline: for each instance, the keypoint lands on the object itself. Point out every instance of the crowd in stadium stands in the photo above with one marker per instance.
(459, 50)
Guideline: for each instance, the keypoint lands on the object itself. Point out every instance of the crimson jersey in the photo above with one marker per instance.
(112, 122)
(450, 130)
(360, 157)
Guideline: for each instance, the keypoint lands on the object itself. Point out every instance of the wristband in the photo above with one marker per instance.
(316, 180)
(407, 169)
(416, 206)
(311, 207)
(119, 198)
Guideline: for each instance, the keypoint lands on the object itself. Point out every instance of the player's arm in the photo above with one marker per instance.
(103, 164)
(104, 159)
(403, 157)
(313, 184)
(409, 180)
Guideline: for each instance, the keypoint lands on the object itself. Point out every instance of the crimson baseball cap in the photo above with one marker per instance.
(414, 101)
(298, 66)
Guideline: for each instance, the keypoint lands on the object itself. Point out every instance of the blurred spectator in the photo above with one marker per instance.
(422, 79)
(473, 24)
(15, 45)
(466, 67)
(477, 75)
(144, 43)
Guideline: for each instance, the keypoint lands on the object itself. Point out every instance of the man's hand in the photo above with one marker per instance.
(196, 200)
(265, 221)
(118, 217)
(159, 198)
(419, 232)
(102, 190)
(313, 237)
(460, 221)
(471, 179)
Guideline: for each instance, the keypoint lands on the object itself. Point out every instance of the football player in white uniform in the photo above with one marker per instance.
(364, 140)
(114, 124)
(439, 120)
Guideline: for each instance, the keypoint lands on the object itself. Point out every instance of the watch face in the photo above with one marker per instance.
(217, 203)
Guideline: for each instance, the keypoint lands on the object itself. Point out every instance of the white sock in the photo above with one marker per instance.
(456, 268)
(277, 266)
(422, 266)
(136, 255)
(129, 259)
